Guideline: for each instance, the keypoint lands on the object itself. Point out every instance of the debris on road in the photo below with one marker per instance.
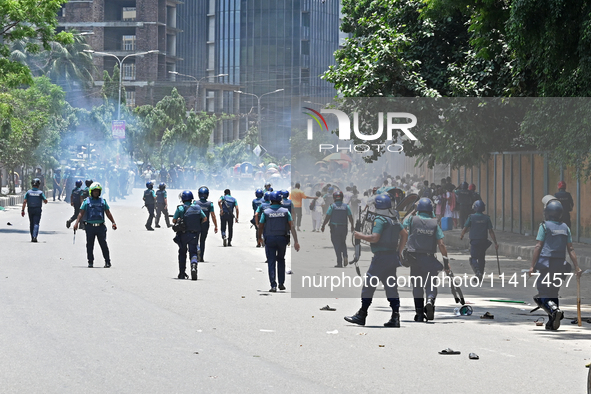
(327, 308)
(449, 351)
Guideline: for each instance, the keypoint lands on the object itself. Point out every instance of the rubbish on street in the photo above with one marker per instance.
(487, 315)
(327, 308)
(449, 351)
(473, 356)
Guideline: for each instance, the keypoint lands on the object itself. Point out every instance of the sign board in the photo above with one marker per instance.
(259, 151)
(118, 129)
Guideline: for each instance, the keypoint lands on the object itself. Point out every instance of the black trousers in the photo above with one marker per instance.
(159, 211)
(100, 233)
(227, 220)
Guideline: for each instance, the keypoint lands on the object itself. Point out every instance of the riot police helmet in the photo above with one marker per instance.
(337, 196)
(259, 193)
(187, 195)
(465, 186)
(425, 205)
(479, 206)
(284, 193)
(203, 192)
(36, 182)
(79, 183)
(95, 186)
(162, 186)
(553, 211)
(267, 196)
(150, 185)
(275, 197)
(383, 201)
(562, 185)
(88, 182)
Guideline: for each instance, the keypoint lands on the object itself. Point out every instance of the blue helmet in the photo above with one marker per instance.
(88, 182)
(330, 189)
(187, 195)
(79, 183)
(267, 196)
(425, 205)
(275, 196)
(338, 195)
(203, 192)
(150, 184)
(284, 193)
(259, 193)
(383, 201)
(553, 211)
(478, 206)
(162, 186)
(270, 189)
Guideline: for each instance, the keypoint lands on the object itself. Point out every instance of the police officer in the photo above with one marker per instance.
(187, 239)
(96, 209)
(553, 240)
(566, 200)
(227, 203)
(34, 198)
(337, 214)
(387, 240)
(480, 227)
(83, 197)
(149, 202)
(256, 203)
(57, 183)
(285, 202)
(275, 224)
(464, 199)
(161, 205)
(207, 208)
(75, 201)
(475, 194)
(424, 235)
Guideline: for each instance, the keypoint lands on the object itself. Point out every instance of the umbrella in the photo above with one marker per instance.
(271, 165)
(337, 156)
(272, 171)
(322, 163)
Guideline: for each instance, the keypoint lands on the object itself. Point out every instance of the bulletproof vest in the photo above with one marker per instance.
(264, 205)
(339, 214)
(276, 221)
(205, 207)
(422, 235)
(286, 204)
(149, 198)
(76, 193)
(464, 197)
(160, 196)
(389, 235)
(564, 199)
(34, 198)
(96, 210)
(228, 204)
(479, 226)
(556, 240)
(257, 202)
(193, 218)
(85, 193)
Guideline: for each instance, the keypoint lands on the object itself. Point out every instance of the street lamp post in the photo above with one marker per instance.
(198, 82)
(120, 69)
(259, 108)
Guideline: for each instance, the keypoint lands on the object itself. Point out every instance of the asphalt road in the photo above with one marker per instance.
(65, 328)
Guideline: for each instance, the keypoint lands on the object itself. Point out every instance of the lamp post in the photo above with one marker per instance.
(120, 69)
(259, 108)
(198, 82)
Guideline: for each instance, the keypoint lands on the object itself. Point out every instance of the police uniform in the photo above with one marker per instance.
(95, 227)
(192, 215)
(256, 203)
(339, 212)
(566, 200)
(423, 234)
(384, 263)
(149, 201)
(479, 224)
(75, 197)
(227, 216)
(276, 220)
(207, 209)
(34, 198)
(161, 208)
(551, 264)
(57, 185)
(464, 199)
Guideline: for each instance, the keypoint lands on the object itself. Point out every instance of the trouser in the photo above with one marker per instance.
(478, 249)
(275, 247)
(552, 274)
(57, 188)
(422, 270)
(160, 209)
(100, 232)
(297, 216)
(202, 236)
(566, 218)
(227, 219)
(383, 269)
(34, 219)
(465, 211)
(76, 212)
(150, 209)
(338, 236)
(187, 241)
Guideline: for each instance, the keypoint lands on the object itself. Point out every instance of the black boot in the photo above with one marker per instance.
(430, 309)
(358, 318)
(420, 315)
(394, 320)
(193, 271)
(555, 316)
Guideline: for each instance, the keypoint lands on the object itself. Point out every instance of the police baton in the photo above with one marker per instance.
(498, 263)
(74, 241)
(579, 322)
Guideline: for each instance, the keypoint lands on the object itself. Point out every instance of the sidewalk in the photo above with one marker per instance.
(516, 245)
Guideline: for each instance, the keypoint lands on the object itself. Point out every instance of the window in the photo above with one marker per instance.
(128, 43)
(130, 98)
(128, 14)
(129, 71)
